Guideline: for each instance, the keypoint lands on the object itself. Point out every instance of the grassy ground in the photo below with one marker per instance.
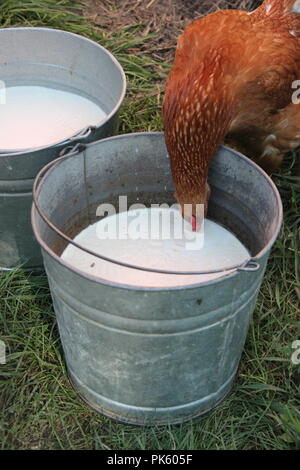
(39, 409)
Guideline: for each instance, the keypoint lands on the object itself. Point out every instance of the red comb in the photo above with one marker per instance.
(194, 224)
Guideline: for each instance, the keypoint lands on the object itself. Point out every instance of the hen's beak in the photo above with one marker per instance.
(296, 7)
(197, 223)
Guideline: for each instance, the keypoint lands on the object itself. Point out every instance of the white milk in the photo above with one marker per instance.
(36, 116)
(220, 250)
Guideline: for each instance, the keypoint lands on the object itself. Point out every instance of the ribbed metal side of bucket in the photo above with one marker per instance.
(154, 371)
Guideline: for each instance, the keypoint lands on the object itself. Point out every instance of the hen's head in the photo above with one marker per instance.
(196, 112)
(193, 203)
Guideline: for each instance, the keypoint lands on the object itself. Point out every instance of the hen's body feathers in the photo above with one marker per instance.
(232, 80)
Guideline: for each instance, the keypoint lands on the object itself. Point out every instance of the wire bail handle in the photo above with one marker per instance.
(83, 134)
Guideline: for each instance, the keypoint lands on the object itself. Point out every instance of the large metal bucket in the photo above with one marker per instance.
(142, 355)
(61, 60)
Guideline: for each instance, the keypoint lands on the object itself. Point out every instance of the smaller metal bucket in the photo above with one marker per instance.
(64, 61)
(152, 355)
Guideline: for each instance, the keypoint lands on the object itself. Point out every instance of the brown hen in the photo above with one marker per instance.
(232, 80)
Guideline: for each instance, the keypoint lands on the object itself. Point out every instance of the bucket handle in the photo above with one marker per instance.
(83, 134)
(249, 265)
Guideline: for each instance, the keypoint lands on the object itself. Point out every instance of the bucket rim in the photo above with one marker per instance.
(97, 279)
(68, 139)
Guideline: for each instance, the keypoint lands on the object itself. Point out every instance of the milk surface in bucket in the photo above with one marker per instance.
(37, 116)
(156, 238)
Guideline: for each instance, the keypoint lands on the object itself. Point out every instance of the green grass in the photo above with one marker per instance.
(40, 410)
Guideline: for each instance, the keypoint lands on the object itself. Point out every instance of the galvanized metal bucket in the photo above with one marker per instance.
(151, 355)
(65, 61)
